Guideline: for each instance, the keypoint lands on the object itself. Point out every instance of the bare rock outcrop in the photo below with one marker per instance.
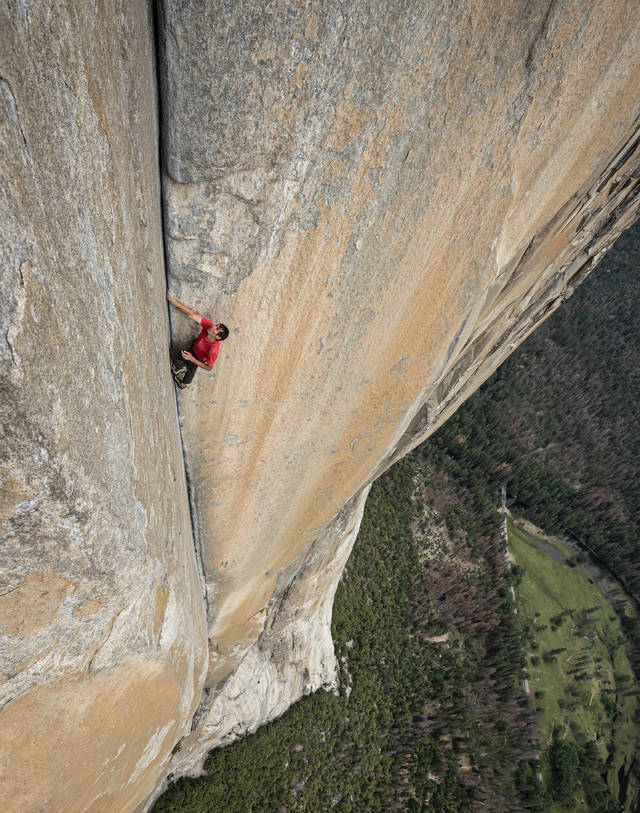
(102, 627)
(294, 654)
(382, 200)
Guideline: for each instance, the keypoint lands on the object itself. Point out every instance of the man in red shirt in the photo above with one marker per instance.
(204, 349)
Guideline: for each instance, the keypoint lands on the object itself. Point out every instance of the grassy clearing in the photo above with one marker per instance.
(576, 658)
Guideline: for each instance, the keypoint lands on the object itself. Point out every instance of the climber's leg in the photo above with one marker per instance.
(187, 378)
(178, 364)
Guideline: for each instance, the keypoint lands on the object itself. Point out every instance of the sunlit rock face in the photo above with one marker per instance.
(102, 629)
(294, 655)
(381, 200)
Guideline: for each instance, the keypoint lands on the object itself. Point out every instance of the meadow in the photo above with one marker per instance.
(578, 671)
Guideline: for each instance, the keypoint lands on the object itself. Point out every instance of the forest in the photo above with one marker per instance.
(429, 712)
(559, 422)
(558, 425)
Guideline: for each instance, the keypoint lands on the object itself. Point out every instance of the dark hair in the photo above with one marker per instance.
(223, 332)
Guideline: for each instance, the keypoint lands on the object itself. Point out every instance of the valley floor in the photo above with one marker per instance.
(578, 670)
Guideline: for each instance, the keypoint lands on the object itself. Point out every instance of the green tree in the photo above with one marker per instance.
(565, 771)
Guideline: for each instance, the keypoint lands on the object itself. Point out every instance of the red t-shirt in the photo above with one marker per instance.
(202, 349)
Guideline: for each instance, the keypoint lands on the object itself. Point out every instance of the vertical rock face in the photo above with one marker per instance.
(102, 646)
(381, 200)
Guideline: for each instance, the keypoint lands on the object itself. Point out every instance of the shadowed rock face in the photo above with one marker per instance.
(102, 646)
(381, 200)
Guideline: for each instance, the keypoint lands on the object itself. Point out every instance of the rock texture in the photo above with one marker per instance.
(102, 628)
(381, 200)
(294, 655)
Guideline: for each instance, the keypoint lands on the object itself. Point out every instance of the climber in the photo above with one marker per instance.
(204, 348)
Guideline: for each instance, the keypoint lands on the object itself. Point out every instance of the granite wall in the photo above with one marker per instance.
(102, 623)
(381, 199)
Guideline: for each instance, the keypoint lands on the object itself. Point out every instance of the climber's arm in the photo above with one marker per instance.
(202, 364)
(184, 308)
